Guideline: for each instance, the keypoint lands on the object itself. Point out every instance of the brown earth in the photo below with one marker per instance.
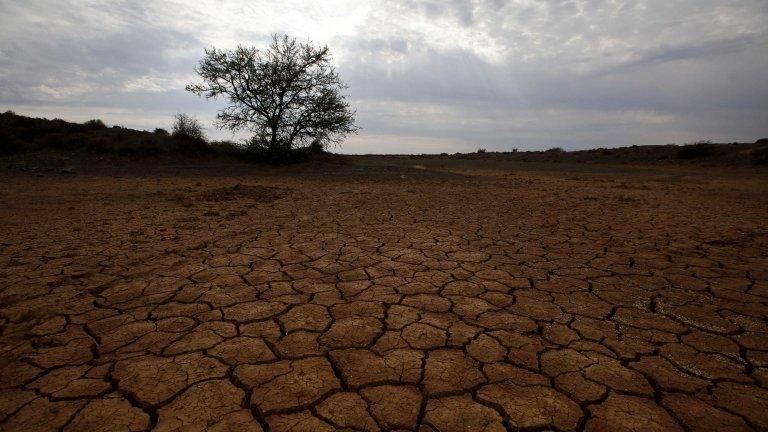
(376, 296)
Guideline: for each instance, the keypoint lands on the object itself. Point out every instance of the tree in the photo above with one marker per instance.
(288, 95)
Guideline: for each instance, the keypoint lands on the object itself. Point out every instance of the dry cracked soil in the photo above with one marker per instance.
(369, 299)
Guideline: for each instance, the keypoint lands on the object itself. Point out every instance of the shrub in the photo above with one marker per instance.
(482, 150)
(190, 147)
(555, 150)
(762, 141)
(98, 143)
(696, 150)
(73, 141)
(760, 155)
(147, 146)
(316, 147)
(228, 148)
(188, 127)
(161, 132)
(95, 124)
(257, 149)
(49, 141)
(10, 145)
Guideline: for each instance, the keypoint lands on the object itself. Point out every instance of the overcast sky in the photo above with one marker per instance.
(424, 75)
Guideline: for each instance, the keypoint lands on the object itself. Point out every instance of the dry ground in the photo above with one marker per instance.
(366, 297)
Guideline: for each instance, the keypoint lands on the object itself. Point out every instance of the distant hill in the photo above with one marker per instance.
(20, 134)
(702, 153)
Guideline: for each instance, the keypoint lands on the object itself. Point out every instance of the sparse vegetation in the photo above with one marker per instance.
(22, 134)
(555, 150)
(760, 155)
(696, 150)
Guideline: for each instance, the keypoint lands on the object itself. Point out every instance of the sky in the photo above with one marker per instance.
(425, 76)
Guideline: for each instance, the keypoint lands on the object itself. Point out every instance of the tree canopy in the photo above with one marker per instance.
(288, 95)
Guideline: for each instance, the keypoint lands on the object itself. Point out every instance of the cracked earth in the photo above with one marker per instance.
(524, 301)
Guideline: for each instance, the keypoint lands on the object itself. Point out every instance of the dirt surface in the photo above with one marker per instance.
(370, 296)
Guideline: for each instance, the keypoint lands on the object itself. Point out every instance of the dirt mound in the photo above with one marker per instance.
(261, 194)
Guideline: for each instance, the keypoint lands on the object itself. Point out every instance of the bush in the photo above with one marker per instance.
(696, 150)
(95, 124)
(257, 149)
(188, 146)
(316, 147)
(555, 150)
(759, 156)
(188, 127)
(73, 141)
(161, 132)
(229, 148)
(482, 150)
(49, 141)
(147, 146)
(762, 141)
(10, 145)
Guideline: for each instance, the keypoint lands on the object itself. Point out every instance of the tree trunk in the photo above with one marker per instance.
(273, 139)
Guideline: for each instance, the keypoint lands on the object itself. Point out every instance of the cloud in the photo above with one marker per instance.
(465, 73)
(699, 50)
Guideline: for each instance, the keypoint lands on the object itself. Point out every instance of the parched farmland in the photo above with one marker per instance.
(367, 297)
